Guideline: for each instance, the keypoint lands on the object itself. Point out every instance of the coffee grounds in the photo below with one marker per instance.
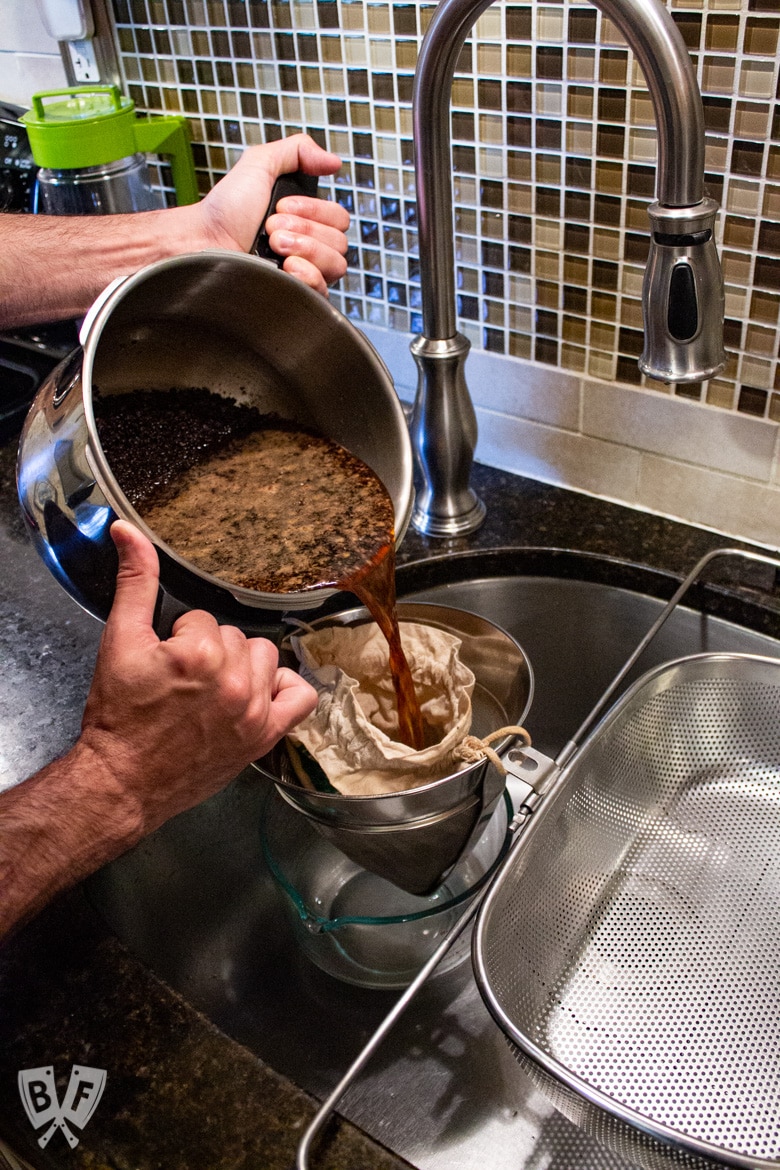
(150, 437)
(258, 502)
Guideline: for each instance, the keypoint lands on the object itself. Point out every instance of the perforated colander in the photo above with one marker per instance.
(630, 950)
(630, 946)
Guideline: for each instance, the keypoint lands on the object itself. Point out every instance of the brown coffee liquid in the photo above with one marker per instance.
(374, 584)
(260, 503)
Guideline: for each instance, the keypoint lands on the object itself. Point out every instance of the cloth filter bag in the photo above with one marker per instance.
(351, 732)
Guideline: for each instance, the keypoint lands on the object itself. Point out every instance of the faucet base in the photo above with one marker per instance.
(461, 525)
(444, 436)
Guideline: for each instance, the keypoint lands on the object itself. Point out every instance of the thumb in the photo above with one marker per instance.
(300, 152)
(137, 579)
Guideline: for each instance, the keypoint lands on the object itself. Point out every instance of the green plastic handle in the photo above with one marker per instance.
(111, 91)
(169, 136)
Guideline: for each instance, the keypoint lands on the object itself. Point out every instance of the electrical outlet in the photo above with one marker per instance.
(84, 61)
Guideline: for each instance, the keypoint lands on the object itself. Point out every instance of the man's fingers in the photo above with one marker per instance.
(306, 207)
(293, 232)
(307, 272)
(137, 580)
(312, 159)
(301, 252)
(293, 699)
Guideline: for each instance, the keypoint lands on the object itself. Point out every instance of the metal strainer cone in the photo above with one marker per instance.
(415, 837)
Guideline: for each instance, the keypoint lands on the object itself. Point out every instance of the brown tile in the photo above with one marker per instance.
(582, 26)
(603, 306)
(547, 294)
(613, 67)
(574, 330)
(611, 105)
(607, 210)
(582, 64)
(718, 74)
(761, 36)
(747, 158)
(717, 113)
(549, 63)
(519, 60)
(752, 401)
(761, 341)
(722, 33)
(765, 306)
(548, 169)
(519, 22)
(548, 134)
(739, 232)
(640, 180)
(576, 270)
(689, 25)
(576, 238)
(610, 140)
(751, 120)
(769, 238)
(580, 101)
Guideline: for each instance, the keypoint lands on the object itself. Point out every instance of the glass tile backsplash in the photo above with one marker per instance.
(553, 154)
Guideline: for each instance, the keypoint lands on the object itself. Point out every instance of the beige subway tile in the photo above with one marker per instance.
(739, 508)
(680, 430)
(539, 393)
(559, 457)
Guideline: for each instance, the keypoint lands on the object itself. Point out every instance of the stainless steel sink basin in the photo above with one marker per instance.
(196, 903)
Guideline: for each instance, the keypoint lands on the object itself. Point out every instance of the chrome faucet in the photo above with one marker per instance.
(682, 296)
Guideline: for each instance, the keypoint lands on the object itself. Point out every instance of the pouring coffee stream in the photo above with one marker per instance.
(374, 585)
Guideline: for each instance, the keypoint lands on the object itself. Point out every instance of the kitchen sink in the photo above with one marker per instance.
(196, 903)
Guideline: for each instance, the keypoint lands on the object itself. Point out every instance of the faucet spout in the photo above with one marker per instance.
(683, 289)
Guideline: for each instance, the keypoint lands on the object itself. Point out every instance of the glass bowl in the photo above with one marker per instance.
(357, 926)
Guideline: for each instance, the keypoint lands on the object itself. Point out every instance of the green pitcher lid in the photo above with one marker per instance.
(86, 127)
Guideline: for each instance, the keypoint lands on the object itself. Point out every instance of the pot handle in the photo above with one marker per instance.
(166, 612)
(295, 183)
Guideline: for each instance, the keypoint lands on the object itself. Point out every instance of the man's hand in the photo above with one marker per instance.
(175, 720)
(167, 724)
(310, 233)
(93, 250)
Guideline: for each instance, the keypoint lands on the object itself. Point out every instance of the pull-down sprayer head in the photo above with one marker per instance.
(682, 296)
(683, 289)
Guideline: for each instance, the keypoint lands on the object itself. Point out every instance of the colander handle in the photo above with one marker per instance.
(526, 799)
(573, 745)
(306, 1143)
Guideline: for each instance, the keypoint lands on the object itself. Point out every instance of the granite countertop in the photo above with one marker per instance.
(180, 1092)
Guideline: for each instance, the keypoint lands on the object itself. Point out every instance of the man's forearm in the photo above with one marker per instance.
(53, 267)
(56, 828)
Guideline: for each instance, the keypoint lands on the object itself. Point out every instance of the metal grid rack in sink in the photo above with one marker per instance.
(629, 947)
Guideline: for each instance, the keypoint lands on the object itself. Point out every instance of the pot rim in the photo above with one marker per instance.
(91, 332)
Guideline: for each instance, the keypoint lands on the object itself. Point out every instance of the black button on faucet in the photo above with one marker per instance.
(683, 308)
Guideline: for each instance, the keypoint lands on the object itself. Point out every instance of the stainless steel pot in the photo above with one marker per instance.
(242, 328)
